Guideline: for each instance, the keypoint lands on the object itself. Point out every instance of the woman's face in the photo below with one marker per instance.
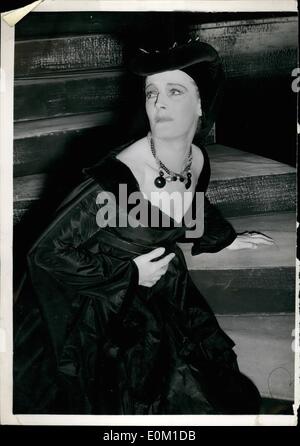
(173, 104)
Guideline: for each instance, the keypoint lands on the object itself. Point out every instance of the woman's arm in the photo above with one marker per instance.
(71, 252)
(75, 276)
(218, 232)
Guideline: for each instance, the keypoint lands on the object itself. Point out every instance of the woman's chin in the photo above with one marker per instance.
(164, 132)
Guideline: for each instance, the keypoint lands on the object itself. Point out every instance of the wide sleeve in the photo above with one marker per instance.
(71, 250)
(71, 267)
(218, 232)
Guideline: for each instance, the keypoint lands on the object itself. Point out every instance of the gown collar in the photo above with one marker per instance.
(110, 172)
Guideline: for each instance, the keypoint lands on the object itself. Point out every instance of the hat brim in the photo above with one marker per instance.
(178, 57)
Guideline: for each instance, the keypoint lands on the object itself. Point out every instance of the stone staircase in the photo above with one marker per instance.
(253, 291)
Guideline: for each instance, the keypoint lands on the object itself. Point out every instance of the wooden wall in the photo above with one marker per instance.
(71, 93)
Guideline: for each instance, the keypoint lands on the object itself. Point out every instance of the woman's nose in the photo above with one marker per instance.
(160, 101)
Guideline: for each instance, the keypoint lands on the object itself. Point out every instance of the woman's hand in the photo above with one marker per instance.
(250, 240)
(151, 271)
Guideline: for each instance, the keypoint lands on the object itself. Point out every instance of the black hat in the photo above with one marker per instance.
(199, 60)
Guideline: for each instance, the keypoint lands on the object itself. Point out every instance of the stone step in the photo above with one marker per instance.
(250, 280)
(243, 183)
(265, 349)
(228, 163)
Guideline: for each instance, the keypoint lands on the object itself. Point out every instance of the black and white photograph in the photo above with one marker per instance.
(148, 232)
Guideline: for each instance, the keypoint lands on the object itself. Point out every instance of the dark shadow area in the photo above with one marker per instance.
(70, 23)
(272, 406)
(260, 116)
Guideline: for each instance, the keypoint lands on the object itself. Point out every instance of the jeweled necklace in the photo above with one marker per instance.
(184, 176)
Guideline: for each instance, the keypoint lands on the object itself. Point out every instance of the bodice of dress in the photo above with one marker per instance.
(151, 227)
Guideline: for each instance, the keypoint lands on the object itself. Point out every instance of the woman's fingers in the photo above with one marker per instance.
(165, 260)
(151, 270)
(251, 240)
(257, 236)
(258, 239)
(260, 235)
(247, 245)
(158, 273)
(157, 252)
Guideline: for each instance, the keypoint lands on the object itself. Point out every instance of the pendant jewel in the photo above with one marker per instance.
(160, 182)
(184, 176)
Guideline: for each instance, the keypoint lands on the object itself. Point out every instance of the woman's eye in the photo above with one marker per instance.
(175, 92)
(151, 94)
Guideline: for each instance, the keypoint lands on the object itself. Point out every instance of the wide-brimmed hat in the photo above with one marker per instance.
(199, 60)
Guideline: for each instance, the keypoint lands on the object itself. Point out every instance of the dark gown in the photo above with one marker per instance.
(89, 340)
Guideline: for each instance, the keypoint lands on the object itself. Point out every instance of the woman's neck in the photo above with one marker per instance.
(172, 152)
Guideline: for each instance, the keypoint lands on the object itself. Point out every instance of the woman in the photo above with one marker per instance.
(110, 321)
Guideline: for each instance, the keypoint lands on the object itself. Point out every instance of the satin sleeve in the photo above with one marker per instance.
(69, 267)
(218, 232)
(71, 250)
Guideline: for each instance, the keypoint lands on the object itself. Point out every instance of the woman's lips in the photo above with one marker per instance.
(163, 119)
